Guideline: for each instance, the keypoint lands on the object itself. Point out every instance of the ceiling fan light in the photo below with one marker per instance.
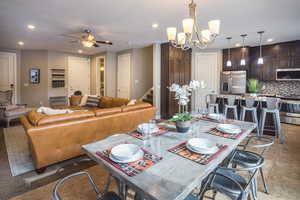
(243, 62)
(188, 25)
(181, 38)
(171, 32)
(214, 26)
(206, 35)
(90, 37)
(228, 63)
(87, 43)
(260, 61)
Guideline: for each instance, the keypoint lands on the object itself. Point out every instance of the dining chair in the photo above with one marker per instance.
(243, 158)
(249, 106)
(273, 107)
(231, 183)
(231, 105)
(99, 195)
(211, 102)
(58, 101)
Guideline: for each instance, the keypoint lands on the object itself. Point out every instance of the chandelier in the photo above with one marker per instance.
(192, 36)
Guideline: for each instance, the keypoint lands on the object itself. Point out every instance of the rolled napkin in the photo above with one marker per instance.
(50, 111)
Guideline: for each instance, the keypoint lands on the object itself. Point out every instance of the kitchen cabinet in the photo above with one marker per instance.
(175, 68)
(236, 55)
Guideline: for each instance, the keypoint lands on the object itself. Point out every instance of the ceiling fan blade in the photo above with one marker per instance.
(95, 45)
(104, 42)
(74, 41)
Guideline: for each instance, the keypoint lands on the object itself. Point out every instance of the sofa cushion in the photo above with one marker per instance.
(107, 111)
(75, 100)
(92, 101)
(34, 117)
(136, 106)
(109, 102)
(38, 119)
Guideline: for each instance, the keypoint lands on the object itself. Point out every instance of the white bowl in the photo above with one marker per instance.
(201, 144)
(214, 116)
(229, 128)
(125, 151)
(134, 158)
(147, 128)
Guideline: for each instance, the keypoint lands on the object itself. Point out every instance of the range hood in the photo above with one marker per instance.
(288, 74)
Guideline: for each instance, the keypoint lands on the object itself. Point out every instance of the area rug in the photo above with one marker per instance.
(19, 157)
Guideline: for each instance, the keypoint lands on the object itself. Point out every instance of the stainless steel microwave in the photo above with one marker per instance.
(288, 74)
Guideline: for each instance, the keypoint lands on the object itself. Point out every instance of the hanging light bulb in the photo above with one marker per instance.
(260, 60)
(228, 63)
(243, 61)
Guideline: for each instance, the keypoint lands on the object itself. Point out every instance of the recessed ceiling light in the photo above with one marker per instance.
(270, 40)
(79, 51)
(30, 26)
(107, 41)
(20, 43)
(237, 44)
(155, 25)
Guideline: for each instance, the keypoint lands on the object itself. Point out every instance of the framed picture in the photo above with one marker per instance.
(34, 76)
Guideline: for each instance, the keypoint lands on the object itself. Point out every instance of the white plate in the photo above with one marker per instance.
(229, 128)
(203, 151)
(147, 128)
(125, 151)
(214, 116)
(136, 157)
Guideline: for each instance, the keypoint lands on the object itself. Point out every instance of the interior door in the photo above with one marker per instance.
(206, 69)
(8, 73)
(78, 75)
(123, 85)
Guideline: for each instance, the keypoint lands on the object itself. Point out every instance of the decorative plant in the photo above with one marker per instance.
(77, 93)
(183, 93)
(182, 117)
(252, 85)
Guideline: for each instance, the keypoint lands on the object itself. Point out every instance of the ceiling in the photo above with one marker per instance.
(127, 23)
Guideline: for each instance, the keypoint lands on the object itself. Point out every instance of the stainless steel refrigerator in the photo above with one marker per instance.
(233, 82)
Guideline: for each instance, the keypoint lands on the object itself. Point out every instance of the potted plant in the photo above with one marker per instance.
(77, 93)
(183, 121)
(182, 94)
(252, 86)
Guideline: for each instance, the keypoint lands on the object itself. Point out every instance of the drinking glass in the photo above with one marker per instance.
(203, 111)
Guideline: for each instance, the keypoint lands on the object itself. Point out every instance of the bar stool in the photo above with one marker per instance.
(211, 102)
(231, 105)
(249, 106)
(272, 108)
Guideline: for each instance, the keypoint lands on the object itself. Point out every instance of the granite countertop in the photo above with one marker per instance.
(263, 97)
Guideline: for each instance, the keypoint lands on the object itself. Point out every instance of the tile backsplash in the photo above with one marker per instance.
(284, 88)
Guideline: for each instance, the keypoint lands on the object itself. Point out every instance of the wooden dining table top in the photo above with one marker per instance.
(174, 177)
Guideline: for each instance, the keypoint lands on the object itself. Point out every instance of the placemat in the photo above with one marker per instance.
(133, 168)
(203, 159)
(140, 136)
(216, 132)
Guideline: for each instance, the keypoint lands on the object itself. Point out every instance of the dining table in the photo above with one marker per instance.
(173, 177)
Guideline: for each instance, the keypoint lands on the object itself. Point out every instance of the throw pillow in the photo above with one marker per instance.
(92, 101)
(75, 100)
(131, 102)
(83, 100)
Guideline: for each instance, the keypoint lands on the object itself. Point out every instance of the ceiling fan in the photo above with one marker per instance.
(87, 39)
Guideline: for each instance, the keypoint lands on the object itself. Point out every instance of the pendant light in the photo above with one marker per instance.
(228, 63)
(243, 61)
(260, 60)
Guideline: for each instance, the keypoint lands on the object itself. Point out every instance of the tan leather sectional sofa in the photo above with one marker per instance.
(57, 138)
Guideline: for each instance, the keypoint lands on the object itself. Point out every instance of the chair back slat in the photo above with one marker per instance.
(272, 103)
(249, 101)
(231, 100)
(213, 98)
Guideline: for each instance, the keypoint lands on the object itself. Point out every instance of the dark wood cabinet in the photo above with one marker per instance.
(175, 68)
(276, 56)
(236, 55)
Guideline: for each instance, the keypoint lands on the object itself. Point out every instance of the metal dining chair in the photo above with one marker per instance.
(231, 105)
(243, 158)
(229, 182)
(273, 107)
(250, 107)
(211, 102)
(99, 195)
